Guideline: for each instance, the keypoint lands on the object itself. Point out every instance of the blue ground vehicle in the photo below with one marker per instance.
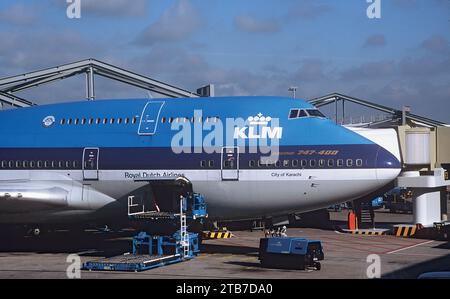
(290, 253)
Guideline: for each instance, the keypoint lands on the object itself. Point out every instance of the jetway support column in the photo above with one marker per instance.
(426, 205)
(429, 202)
(444, 209)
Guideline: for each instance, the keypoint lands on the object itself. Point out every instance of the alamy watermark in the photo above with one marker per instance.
(73, 10)
(73, 270)
(374, 9)
(374, 268)
(260, 134)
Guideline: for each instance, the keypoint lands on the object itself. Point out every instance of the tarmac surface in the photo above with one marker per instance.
(346, 255)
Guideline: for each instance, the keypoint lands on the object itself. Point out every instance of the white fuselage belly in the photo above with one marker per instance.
(257, 193)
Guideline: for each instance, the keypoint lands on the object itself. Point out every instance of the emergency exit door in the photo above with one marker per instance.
(90, 164)
(230, 164)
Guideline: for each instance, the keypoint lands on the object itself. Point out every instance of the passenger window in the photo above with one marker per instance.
(26, 164)
(119, 121)
(4, 163)
(32, 164)
(330, 163)
(321, 163)
(260, 163)
(75, 164)
(312, 163)
(105, 121)
(340, 163)
(112, 121)
(349, 162)
(67, 164)
(18, 164)
(61, 164)
(39, 164)
(127, 120)
(91, 121)
(134, 120)
(83, 121)
(203, 164)
(46, 164)
(278, 164)
(97, 121)
(10, 164)
(252, 163)
(293, 113)
(63, 121)
(77, 121)
(211, 163)
(163, 120)
(359, 162)
(295, 163)
(53, 164)
(69, 121)
(304, 163)
(286, 163)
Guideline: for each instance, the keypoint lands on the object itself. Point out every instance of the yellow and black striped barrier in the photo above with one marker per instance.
(405, 231)
(217, 235)
(368, 233)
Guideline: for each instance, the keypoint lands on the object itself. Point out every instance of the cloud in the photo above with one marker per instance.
(424, 66)
(252, 25)
(109, 8)
(310, 70)
(370, 70)
(19, 14)
(308, 10)
(178, 22)
(436, 44)
(376, 40)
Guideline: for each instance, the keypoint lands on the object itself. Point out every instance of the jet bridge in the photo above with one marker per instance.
(421, 144)
(90, 68)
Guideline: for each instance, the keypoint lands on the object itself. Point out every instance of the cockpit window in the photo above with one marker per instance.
(315, 112)
(293, 113)
(302, 113)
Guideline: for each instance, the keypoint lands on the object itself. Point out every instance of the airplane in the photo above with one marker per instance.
(78, 162)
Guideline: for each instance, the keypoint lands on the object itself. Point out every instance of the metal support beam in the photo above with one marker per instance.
(14, 100)
(90, 95)
(90, 67)
(396, 114)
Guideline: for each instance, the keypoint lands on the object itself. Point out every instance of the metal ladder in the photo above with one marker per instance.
(183, 228)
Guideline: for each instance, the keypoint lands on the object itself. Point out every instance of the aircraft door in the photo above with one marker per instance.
(150, 118)
(90, 164)
(230, 164)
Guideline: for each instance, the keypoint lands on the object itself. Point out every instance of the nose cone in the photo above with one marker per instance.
(388, 165)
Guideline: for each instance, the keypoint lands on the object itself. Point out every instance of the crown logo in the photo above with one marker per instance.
(260, 119)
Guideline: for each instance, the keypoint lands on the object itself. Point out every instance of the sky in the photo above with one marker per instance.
(251, 47)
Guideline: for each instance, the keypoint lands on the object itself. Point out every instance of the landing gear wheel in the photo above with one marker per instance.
(318, 266)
